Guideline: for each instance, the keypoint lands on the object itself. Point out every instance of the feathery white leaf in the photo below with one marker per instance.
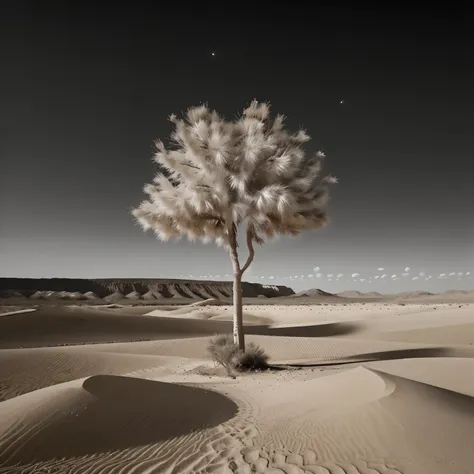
(251, 168)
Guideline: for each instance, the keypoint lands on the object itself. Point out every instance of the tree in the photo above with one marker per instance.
(218, 176)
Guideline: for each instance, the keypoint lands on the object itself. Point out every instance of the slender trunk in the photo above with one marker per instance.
(238, 327)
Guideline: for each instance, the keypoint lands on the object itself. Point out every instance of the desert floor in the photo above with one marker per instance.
(355, 389)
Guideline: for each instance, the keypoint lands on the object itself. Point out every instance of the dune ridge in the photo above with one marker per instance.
(353, 389)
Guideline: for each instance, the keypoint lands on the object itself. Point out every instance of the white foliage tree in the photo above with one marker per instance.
(218, 176)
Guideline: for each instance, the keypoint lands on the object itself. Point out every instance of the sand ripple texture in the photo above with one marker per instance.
(379, 400)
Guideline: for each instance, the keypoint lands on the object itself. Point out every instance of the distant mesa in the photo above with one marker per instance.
(75, 295)
(413, 294)
(150, 295)
(12, 294)
(313, 292)
(351, 294)
(374, 294)
(90, 295)
(38, 295)
(121, 290)
(359, 294)
(115, 296)
(134, 295)
(456, 292)
(64, 295)
(113, 290)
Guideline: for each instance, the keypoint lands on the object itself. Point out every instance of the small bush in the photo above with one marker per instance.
(254, 358)
(226, 353)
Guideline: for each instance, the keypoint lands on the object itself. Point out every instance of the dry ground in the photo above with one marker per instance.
(366, 388)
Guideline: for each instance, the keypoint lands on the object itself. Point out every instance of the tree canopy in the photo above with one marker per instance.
(216, 174)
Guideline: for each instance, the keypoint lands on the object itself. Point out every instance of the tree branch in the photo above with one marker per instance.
(250, 237)
(232, 229)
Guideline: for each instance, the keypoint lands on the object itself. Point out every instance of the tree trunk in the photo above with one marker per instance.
(238, 328)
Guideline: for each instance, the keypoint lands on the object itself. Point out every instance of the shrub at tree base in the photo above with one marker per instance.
(254, 358)
(225, 352)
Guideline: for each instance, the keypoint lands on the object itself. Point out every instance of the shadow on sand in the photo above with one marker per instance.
(314, 330)
(422, 352)
(72, 326)
(116, 413)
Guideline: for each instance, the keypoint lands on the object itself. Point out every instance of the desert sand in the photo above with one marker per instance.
(357, 388)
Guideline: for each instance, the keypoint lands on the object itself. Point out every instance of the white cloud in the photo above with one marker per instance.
(362, 279)
(329, 275)
(340, 275)
(422, 274)
(380, 269)
(384, 275)
(415, 278)
(319, 275)
(452, 274)
(329, 279)
(310, 275)
(405, 274)
(376, 276)
(394, 276)
(271, 277)
(468, 273)
(316, 269)
(442, 275)
(407, 269)
(460, 274)
(354, 275)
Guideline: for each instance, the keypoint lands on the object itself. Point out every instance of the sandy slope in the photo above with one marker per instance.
(381, 389)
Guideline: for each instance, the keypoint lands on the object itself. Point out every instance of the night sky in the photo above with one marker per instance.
(86, 89)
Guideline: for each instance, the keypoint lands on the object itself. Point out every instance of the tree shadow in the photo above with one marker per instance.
(422, 352)
(313, 330)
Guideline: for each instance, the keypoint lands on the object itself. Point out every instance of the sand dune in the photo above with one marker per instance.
(373, 430)
(75, 325)
(26, 370)
(86, 417)
(355, 389)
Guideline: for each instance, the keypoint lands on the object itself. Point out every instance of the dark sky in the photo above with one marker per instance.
(86, 89)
